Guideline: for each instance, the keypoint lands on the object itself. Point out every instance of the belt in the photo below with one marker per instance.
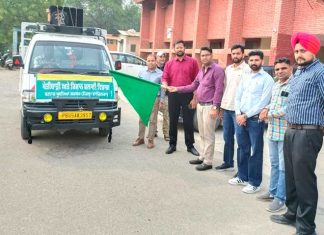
(205, 103)
(255, 116)
(304, 127)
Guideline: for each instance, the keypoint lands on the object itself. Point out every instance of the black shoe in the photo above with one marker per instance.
(224, 167)
(193, 151)
(282, 219)
(196, 161)
(203, 167)
(171, 149)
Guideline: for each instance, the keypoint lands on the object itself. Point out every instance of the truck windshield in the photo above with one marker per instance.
(69, 57)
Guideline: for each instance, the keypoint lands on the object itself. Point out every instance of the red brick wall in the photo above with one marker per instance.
(152, 25)
(217, 19)
(258, 18)
(309, 16)
(145, 27)
(232, 20)
(167, 20)
(201, 24)
(189, 20)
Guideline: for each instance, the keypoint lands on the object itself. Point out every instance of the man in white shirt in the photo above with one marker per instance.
(233, 74)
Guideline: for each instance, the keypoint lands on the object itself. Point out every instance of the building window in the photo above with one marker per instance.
(252, 43)
(133, 48)
(217, 43)
(188, 44)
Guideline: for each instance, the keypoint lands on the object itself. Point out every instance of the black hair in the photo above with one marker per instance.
(206, 49)
(282, 60)
(238, 46)
(257, 53)
(179, 42)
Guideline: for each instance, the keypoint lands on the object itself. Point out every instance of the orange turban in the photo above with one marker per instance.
(308, 41)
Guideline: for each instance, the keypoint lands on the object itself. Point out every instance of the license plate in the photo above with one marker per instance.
(67, 115)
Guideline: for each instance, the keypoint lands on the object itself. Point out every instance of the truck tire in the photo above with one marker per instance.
(25, 132)
(103, 131)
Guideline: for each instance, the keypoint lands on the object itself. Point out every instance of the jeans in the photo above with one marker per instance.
(250, 137)
(277, 185)
(229, 126)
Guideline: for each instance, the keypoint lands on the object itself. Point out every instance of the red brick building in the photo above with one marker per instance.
(258, 24)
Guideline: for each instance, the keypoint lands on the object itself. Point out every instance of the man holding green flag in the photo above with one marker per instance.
(152, 74)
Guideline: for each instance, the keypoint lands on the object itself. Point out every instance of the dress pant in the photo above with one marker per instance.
(206, 127)
(301, 148)
(179, 101)
(152, 122)
(250, 137)
(165, 113)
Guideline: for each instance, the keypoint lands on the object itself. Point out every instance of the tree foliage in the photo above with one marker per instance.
(108, 14)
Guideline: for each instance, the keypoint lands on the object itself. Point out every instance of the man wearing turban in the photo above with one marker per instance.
(304, 136)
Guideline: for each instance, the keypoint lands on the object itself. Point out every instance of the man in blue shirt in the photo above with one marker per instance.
(253, 94)
(304, 136)
(153, 74)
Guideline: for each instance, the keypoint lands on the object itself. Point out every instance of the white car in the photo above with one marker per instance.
(131, 64)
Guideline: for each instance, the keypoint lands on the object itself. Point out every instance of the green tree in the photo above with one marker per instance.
(13, 12)
(108, 14)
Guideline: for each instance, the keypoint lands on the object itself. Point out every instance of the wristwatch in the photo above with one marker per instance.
(215, 107)
(244, 115)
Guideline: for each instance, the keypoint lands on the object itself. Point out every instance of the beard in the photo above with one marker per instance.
(237, 60)
(180, 53)
(255, 67)
(304, 63)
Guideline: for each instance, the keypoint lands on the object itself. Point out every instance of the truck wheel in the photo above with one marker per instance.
(25, 132)
(103, 131)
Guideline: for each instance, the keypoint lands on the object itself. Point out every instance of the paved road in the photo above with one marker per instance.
(77, 183)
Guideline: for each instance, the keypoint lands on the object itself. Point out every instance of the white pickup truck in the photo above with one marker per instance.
(65, 81)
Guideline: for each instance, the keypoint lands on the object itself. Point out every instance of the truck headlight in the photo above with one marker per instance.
(102, 117)
(48, 117)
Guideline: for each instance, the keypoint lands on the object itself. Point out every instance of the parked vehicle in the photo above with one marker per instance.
(3, 58)
(65, 81)
(131, 64)
(8, 63)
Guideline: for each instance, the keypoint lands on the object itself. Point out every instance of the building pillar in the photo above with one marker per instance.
(234, 26)
(201, 24)
(282, 30)
(177, 21)
(159, 27)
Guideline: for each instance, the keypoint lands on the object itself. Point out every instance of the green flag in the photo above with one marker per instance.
(140, 93)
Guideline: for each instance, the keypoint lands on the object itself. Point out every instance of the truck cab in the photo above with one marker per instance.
(65, 81)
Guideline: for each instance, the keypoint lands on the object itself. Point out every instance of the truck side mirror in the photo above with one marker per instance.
(17, 61)
(118, 65)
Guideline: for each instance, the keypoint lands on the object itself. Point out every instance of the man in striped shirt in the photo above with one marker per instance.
(304, 136)
(277, 126)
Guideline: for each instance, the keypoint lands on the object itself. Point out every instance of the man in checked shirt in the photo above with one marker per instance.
(277, 126)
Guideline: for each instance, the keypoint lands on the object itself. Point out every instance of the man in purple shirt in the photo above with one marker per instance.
(181, 71)
(209, 86)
